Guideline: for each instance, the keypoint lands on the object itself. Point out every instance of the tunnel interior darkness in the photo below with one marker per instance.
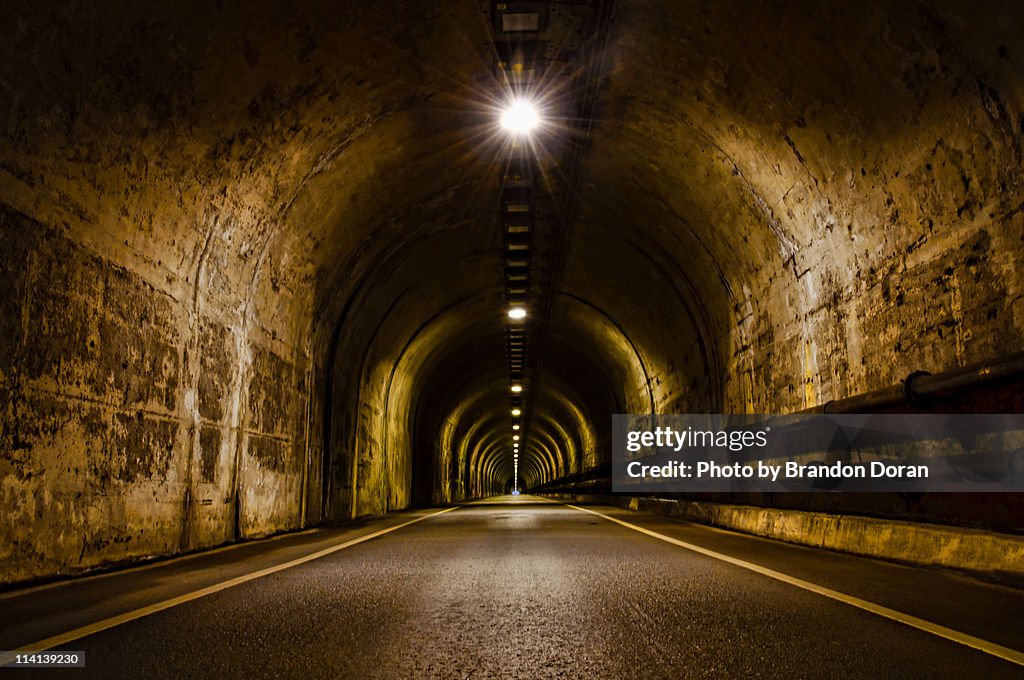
(252, 270)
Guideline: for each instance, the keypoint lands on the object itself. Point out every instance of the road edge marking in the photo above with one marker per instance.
(990, 648)
(118, 619)
(127, 568)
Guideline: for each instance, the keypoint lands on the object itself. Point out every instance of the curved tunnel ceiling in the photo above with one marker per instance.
(316, 191)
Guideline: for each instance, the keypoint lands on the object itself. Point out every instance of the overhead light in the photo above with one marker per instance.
(515, 437)
(520, 117)
(515, 427)
(517, 388)
(516, 412)
(517, 313)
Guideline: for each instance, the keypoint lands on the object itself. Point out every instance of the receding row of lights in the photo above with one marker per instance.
(511, 21)
(517, 314)
(521, 117)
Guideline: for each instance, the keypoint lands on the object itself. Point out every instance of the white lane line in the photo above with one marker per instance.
(77, 633)
(1005, 653)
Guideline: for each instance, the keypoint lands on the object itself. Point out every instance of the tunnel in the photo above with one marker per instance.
(318, 316)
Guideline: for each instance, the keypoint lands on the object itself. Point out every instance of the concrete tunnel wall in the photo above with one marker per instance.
(250, 278)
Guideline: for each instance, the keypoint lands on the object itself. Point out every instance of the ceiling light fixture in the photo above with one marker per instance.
(520, 117)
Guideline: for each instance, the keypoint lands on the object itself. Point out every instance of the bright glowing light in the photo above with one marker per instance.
(515, 437)
(516, 411)
(517, 388)
(515, 427)
(517, 313)
(520, 117)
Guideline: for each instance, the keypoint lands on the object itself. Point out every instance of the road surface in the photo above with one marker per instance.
(522, 588)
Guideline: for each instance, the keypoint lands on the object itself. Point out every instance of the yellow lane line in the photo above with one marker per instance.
(104, 624)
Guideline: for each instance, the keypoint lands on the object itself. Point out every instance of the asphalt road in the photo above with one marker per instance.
(526, 589)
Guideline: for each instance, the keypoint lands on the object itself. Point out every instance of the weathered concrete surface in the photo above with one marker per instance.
(251, 276)
(112, 450)
(833, 191)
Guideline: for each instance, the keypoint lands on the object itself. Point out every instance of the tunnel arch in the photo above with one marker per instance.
(227, 229)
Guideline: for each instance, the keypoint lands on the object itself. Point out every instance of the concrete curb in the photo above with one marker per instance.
(931, 545)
